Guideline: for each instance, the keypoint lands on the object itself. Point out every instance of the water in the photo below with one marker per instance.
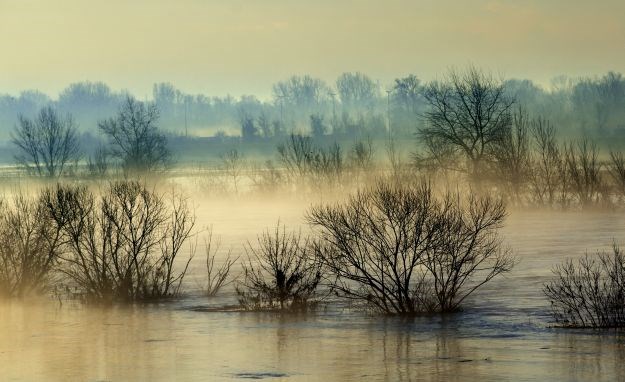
(504, 333)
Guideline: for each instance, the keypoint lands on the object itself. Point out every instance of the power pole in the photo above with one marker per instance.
(388, 110)
(333, 94)
(186, 128)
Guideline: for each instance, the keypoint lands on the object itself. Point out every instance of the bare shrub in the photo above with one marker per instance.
(295, 155)
(467, 252)
(512, 154)
(361, 159)
(549, 177)
(361, 155)
(217, 276)
(122, 245)
(583, 168)
(403, 251)
(29, 247)
(589, 292)
(280, 273)
(267, 178)
(98, 164)
(232, 163)
(616, 168)
(303, 160)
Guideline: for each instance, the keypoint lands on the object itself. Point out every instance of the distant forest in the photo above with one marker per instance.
(354, 106)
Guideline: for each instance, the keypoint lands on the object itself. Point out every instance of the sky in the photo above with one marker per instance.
(244, 46)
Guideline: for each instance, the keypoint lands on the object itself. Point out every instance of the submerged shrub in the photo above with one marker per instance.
(29, 247)
(280, 273)
(589, 292)
(403, 251)
(217, 275)
(121, 245)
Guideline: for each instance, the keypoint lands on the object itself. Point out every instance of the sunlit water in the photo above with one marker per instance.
(503, 334)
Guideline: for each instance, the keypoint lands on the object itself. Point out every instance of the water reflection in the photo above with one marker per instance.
(503, 334)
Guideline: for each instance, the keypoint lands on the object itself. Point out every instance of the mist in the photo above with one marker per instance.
(407, 190)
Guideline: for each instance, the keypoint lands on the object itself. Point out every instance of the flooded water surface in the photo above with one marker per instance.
(504, 332)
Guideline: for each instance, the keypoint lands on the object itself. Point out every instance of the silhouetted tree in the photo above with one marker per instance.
(281, 272)
(401, 250)
(30, 246)
(512, 153)
(122, 245)
(46, 144)
(549, 177)
(584, 171)
(589, 292)
(134, 137)
(304, 92)
(469, 112)
(357, 90)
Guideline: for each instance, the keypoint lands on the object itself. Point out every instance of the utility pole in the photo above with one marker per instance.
(186, 128)
(333, 95)
(388, 110)
(281, 98)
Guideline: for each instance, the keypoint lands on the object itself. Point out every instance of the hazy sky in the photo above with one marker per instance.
(236, 46)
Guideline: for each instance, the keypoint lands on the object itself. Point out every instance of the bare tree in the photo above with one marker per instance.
(403, 251)
(616, 168)
(468, 252)
(280, 272)
(217, 276)
(589, 292)
(232, 163)
(361, 155)
(549, 177)
(295, 155)
(357, 90)
(124, 244)
(469, 112)
(31, 246)
(583, 168)
(98, 164)
(302, 159)
(512, 153)
(46, 144)
(134, 137)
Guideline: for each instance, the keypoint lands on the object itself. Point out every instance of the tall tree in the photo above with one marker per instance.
(469, 113)
(135, 138)
(357, 90)
(47, 143)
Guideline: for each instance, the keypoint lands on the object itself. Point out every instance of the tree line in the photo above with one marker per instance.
(593, 104)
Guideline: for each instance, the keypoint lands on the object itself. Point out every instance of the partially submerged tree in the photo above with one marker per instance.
(135, 139)
(302, 159)
(403, 251)
(46, 144)
(30, 246)
(589, 292)
(468, 114)
(616, 168)
(512, 154)
(281, 272)
(584, 171)
(232, 163)
(123, 245)
(548, 176)
(217, 274)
